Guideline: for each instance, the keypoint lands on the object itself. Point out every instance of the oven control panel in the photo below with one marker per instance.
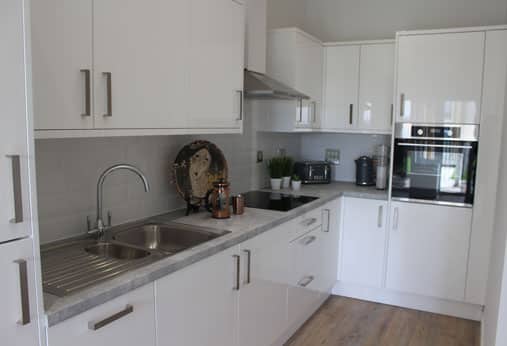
(436, 132)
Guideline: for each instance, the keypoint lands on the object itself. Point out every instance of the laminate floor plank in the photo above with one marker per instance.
(350, 322)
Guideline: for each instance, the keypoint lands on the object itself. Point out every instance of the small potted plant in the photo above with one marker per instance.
(275, 167)
(288, 165)
(296, 182)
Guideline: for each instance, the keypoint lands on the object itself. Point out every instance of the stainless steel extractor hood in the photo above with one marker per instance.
(260, 86)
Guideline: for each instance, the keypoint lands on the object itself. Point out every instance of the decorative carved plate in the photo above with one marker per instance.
(197, 166)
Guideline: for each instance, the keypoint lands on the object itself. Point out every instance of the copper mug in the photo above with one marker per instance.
(217, 200)
(238, 204)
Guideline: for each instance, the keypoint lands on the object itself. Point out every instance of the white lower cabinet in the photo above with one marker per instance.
(263, 293)
(363, 241)
(428, 250)
(198, 305)
(128, 320)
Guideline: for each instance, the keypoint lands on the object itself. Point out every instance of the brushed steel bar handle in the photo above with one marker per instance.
(351, 114)
(300, 110)
(326, 216)
(380, 216)
(88, 93)
(16, 188)
(395, 218)
(308, 240)
(306, 281)
(23, 287)
(392, 114)
(449, 146)
(309, 222)
(238, 271)
(402, 105)
(314, 112)
(241, 101)
(109, 93)
(100, 324)
(248, 265)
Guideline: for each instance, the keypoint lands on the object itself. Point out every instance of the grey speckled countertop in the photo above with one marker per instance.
(253, 222)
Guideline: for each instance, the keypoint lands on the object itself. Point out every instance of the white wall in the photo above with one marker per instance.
(495, 315)
(344, 20)
(313, 146)
(283, 13)
(68, 169)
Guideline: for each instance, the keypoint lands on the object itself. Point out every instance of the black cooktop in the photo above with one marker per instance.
(275, 201)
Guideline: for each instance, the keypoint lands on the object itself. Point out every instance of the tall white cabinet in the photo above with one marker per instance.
(19, 314)
(358, 82)
(439, 77)
(153, 67)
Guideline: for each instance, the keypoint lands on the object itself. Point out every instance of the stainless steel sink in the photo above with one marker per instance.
(169, 238)
(73, 265)
(117, 251)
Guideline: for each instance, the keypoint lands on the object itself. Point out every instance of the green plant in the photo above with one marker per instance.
(288, 164)
(275, 167)
(296, 177)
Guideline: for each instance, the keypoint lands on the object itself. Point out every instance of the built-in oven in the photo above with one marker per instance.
(435, 164)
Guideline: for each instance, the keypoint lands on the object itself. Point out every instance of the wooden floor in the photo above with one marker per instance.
(350, 322)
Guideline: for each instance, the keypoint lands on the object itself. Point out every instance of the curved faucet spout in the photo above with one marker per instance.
(100, 184)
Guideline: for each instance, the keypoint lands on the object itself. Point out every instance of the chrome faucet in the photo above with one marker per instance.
(100, 222)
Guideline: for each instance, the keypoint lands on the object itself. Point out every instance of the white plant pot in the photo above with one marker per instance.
(276, 183)
(286, 182)
(296, 185)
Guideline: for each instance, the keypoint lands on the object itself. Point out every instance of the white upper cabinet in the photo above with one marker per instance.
(358, 84)
(159, 67)
(256, 35)
(341, 87)
(216, 59)
(62, 64)
(142, 45)
(362, 256)
(14, 156)
(428, 249)
(296, 59)
(439, 77)
(376, 78)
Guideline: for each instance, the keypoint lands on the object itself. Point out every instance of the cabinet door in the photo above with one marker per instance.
(363, 241)
(256, 35)
(216, 42)
(440, 78)
(62, 64)
(376, 87)
(14, 185)
(18, 326)
(130, 322)
(263, 294)
(308, 75)
(198, 305)
(428, 250)
(341, 84)
(144, 47)
(331, 214)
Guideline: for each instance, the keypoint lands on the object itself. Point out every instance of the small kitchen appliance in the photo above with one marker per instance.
(365, 175)
(313, 172)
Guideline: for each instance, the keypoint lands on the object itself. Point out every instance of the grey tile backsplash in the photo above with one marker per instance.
(68, 169)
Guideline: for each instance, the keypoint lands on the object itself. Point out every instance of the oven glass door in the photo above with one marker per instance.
(435, 170)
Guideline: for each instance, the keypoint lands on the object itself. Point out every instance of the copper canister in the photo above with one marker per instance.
(238, 204)
(220, 205)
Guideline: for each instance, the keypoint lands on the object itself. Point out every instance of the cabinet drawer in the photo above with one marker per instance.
(128, 320)
(305, 223)
(306, 282)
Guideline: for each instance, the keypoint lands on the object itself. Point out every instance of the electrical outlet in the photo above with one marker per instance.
(333, 156)
(260, 156)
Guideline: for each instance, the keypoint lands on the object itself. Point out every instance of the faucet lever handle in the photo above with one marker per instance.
(109, 218)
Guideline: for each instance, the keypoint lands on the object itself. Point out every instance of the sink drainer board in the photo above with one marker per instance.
(70, 268)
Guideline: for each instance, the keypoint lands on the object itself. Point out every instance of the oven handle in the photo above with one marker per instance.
(435, 145)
